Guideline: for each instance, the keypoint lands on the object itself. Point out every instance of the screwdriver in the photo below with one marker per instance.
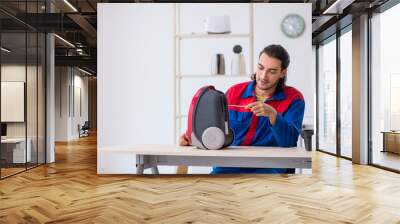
(233, 105)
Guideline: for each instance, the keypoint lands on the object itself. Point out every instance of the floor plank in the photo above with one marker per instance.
(70, 191)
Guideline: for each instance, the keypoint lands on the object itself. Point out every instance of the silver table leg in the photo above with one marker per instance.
(139, 164)
(143, 161)
(154, 170)
(140, 169)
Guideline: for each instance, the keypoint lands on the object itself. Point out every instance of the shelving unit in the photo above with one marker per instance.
(205, 35)
(210, 76)
(177, 65)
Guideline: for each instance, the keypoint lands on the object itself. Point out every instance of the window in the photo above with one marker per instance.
(346, 94)
(327, 96)
(385, 89)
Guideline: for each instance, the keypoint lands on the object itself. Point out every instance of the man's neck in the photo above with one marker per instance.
(265, 93)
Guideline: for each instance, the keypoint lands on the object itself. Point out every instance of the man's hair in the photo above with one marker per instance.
(280, 53)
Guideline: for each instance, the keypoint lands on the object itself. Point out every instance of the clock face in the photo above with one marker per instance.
(293, 25)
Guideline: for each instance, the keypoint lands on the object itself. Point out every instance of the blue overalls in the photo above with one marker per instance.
(257, 131)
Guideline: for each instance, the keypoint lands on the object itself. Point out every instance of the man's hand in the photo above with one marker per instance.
(183, 141)
(262, 109)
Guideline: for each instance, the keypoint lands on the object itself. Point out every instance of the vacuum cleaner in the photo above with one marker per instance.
(208, 120)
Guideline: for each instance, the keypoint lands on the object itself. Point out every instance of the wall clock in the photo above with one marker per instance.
(293, 25)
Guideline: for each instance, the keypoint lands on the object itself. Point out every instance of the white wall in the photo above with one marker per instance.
(136, 76)
(62, 81)
(80, 109)
(134, 81)
(68, 81)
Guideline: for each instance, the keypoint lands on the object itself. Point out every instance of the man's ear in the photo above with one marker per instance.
(284, 73)
(253, 76)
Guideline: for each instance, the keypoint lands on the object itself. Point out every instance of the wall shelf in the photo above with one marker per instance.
(179, 77)
(205, 35)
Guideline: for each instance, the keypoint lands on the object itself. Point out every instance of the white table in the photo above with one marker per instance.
(19, 154)
(150, 156)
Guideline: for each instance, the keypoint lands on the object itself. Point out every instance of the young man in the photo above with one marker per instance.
(273, 114)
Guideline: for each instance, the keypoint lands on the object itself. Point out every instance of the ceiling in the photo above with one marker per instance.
(76, 22)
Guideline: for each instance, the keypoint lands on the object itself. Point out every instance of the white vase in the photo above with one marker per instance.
(238, 65)
(218, 64)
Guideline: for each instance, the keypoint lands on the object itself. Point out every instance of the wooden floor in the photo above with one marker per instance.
(70, 191)
(10, 171)
(387, 159)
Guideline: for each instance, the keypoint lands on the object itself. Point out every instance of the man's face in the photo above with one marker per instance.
(268, 72)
